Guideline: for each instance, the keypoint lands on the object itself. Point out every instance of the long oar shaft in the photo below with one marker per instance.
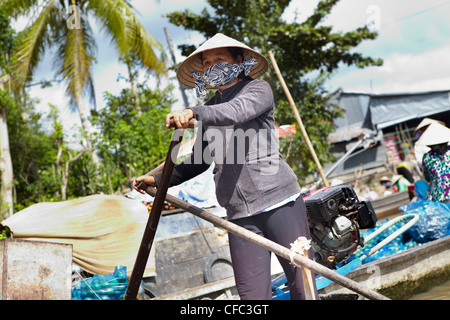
(153, 220)
(271, 246)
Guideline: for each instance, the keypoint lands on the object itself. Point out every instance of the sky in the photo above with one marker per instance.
(413, 41)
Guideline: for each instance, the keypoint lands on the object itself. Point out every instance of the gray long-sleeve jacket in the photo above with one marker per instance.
(237, 133)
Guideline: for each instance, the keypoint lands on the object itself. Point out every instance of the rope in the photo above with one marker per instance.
(300, 246)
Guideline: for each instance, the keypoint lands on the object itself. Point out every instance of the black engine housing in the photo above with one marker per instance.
(336, 216)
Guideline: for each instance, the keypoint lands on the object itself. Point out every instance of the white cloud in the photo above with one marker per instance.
(413, 41)
(106, 79)
(154, 8)
(56, 95)
(402, 72)
(20, 23)
(417, 72)
(299, 9)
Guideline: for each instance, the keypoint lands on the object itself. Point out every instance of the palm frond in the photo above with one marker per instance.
(143, 44)
(32, 45)
(111, 15)
(15, 8)
(76, 48)
(127, 33)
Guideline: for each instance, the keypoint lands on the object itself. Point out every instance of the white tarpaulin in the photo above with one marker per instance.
(105, 231)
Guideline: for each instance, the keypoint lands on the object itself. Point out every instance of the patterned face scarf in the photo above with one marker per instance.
(220, 74)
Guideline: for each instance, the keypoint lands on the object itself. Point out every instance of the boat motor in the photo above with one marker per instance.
(335, 217)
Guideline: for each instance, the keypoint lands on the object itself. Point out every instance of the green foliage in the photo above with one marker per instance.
(131, 141)
(7, 42)
(33, 152)
(5, 232)
(64, 25)
(32, 149)
(306, 53)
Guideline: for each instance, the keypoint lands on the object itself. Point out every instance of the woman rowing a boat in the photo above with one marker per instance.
(254, 184)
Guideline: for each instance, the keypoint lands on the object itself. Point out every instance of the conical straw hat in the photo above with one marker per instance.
(435, 134)
(194, 63)
(426, 122)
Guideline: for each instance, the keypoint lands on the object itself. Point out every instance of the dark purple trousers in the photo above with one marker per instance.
(251, 263)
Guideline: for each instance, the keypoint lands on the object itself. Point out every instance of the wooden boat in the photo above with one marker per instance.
(404, 274)
(189, 253)
(389, 205)
(398, 276)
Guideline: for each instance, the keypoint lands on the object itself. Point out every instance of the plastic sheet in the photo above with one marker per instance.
(199, 191)
(433, 224)
(103, 287)
(434, 220)
(421, 187)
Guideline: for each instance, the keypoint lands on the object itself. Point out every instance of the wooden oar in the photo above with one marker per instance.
(161, 195)
(271, 246)
(153, 220)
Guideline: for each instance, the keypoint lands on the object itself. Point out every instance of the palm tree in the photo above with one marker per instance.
(63, 24)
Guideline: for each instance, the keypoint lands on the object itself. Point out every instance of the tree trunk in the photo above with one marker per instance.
(6, 168)
(65, 181)
(62, 170)
(83, 109)
(132, 78)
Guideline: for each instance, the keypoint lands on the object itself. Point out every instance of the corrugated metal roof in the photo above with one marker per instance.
(388, 110)
(369, 111)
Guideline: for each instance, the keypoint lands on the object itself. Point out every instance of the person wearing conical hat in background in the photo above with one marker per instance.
(436, 162)
(254, 184)
(400, 183)
(419, 148)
